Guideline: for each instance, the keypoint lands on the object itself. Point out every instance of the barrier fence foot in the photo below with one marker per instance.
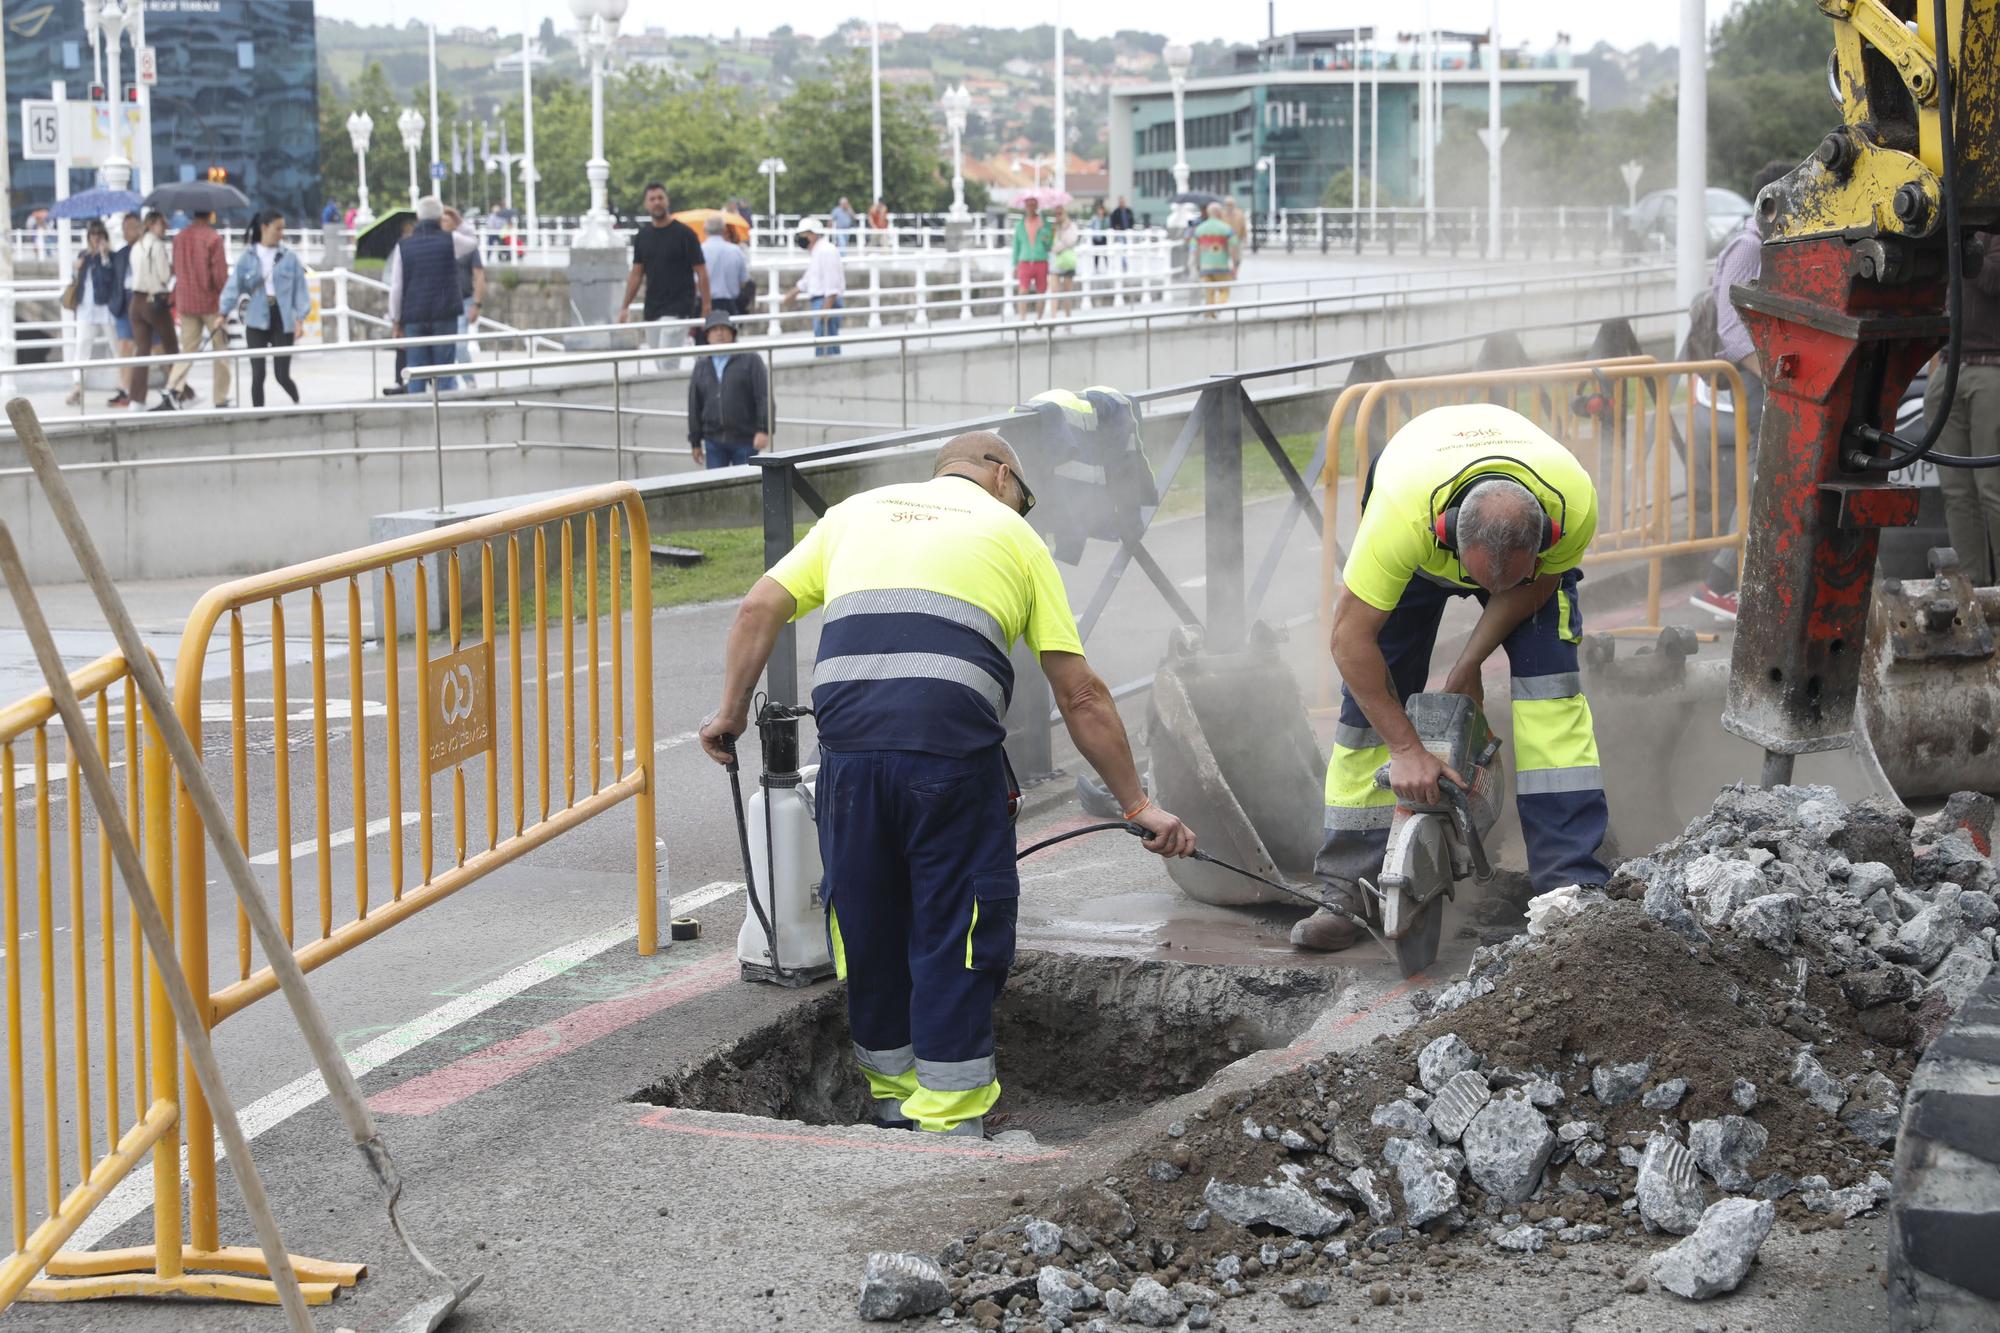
(233, 1273)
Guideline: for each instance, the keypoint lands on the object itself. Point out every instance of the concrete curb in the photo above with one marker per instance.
(1945, 1221)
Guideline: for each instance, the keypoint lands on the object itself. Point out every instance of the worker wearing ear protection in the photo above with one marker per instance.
(1466, 501)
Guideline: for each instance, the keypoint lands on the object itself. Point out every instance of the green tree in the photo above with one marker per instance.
(388, 165)
(823, 132)
(1339, 192)
(1770, 37)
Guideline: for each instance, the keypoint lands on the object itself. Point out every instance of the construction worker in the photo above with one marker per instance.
(1465, 501)
(926, 587)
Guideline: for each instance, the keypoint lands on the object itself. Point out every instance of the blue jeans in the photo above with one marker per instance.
(826, 326)
(728, 455)
(921, 896)
(432, 354)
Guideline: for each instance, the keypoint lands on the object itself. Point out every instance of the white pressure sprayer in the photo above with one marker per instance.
(784, 937)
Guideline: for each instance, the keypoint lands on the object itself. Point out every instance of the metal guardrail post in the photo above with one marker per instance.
(617, 424)
(1222, 505)
(437, 438)
(340, 276)
(903, 376)
(781, 673)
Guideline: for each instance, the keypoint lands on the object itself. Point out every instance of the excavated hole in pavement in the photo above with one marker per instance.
(1081, 1042)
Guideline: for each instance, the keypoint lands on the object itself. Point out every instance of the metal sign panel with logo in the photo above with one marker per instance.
(41, 129)
(149, 65)
(458, 706)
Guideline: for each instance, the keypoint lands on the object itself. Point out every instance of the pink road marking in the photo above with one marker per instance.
(496, 1064)
(665, 1118)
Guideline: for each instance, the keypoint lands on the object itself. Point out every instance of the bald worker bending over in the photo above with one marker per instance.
(1473, 501)
(926, 586)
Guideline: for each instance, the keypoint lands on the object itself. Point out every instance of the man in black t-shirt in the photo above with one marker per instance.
(666, 256)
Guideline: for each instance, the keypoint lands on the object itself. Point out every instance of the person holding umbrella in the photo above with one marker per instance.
(152, 306)
(201, 267)
(271, 282)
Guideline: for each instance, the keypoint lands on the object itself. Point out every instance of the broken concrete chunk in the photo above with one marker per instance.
(1666, 906)
(1821, 1088)
(1584, 1233)
(1772, 920)
(1445, 1056)
(1927, 937)
(1401, 1117)
(1525, 1239)
(1854, 1201)
(896, 1286)
(1286, 1207)
(1064, 1293)
(1371, 1193)
(1044, 1238)
(1866, 986)
(1457, 1102)
(1542, 1092)
(1293, 1141)
(1151, 1305)
(1507, 1145)
(1306, 1292)
(1869, 877)
(1717, 1256)
(1429, 1180)
(1669, 1188)
(1875, 1110)
(1588, 1153)
(1775, 1186)
(1665, 1096)
(1961, 973)
(1617, 1084)
(1197, 1222)
(1228, 1266)
(1717, 886)
(1725, 1147)
(1163, 1172)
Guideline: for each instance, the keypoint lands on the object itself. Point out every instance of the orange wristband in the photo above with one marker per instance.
(1145, 804)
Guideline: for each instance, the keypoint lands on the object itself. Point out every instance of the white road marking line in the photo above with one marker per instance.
(662, 746)
(341, 839)
(134, 1194)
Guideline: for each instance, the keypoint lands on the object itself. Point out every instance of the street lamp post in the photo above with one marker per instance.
(1178, 58)
(437, 162)
(957, 101)
(1494, 136)
(599, 21)
(1691, 168)
(410, 124)
(118, 167)
(1034, 164)
(360, 128)
(528, 174)
(1632, 171)
(1269, 165)
(770, 169)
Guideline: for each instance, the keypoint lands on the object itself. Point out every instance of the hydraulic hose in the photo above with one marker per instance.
(1954, 278)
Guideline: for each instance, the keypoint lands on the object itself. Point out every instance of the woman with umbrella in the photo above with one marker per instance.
(270, 281)
(94, 283)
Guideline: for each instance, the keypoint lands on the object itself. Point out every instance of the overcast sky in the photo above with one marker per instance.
(1534, 21)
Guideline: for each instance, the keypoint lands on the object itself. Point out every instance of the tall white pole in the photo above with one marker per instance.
(1062, 124)
(1374, 133)
(1354, 113)
(435, 159)
(7, 241)
(142, 148)
(1427, 46)
(528, 173)
(875, 93)
(1496, 137)
(1691, 179)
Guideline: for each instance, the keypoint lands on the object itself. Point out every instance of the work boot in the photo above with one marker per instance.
(1327, 932)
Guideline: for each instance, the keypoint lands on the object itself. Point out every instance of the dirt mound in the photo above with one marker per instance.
(1735, 1019)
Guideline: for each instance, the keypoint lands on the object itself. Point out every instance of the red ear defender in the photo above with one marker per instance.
(1445, 529)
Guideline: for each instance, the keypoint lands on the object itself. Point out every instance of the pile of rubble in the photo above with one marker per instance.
(1718, 1040)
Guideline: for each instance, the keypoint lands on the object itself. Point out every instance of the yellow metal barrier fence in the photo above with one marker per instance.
(107, 1036)
(455, 690)
(1624, 419)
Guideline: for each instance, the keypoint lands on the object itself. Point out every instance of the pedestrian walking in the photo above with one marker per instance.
(667, 259)
(201, 266)
(926, 588)
(728, 269)
(843, 220)
(1122, 221)
(1063, 261)
(471, 281)
(1100, 237)
(93, 283)
(423, 292)
(1972, 418)
(269, 281)
(121, 307)
(823, 284)
(152, 307)
(1033, 238)
(729, 400)
(329, 216)
(1712, 481)
(1216, 248)
(878, 223)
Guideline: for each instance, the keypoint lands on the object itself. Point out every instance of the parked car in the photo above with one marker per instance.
(1652, 223)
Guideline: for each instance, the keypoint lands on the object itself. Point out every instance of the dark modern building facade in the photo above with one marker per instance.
(238, 90)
